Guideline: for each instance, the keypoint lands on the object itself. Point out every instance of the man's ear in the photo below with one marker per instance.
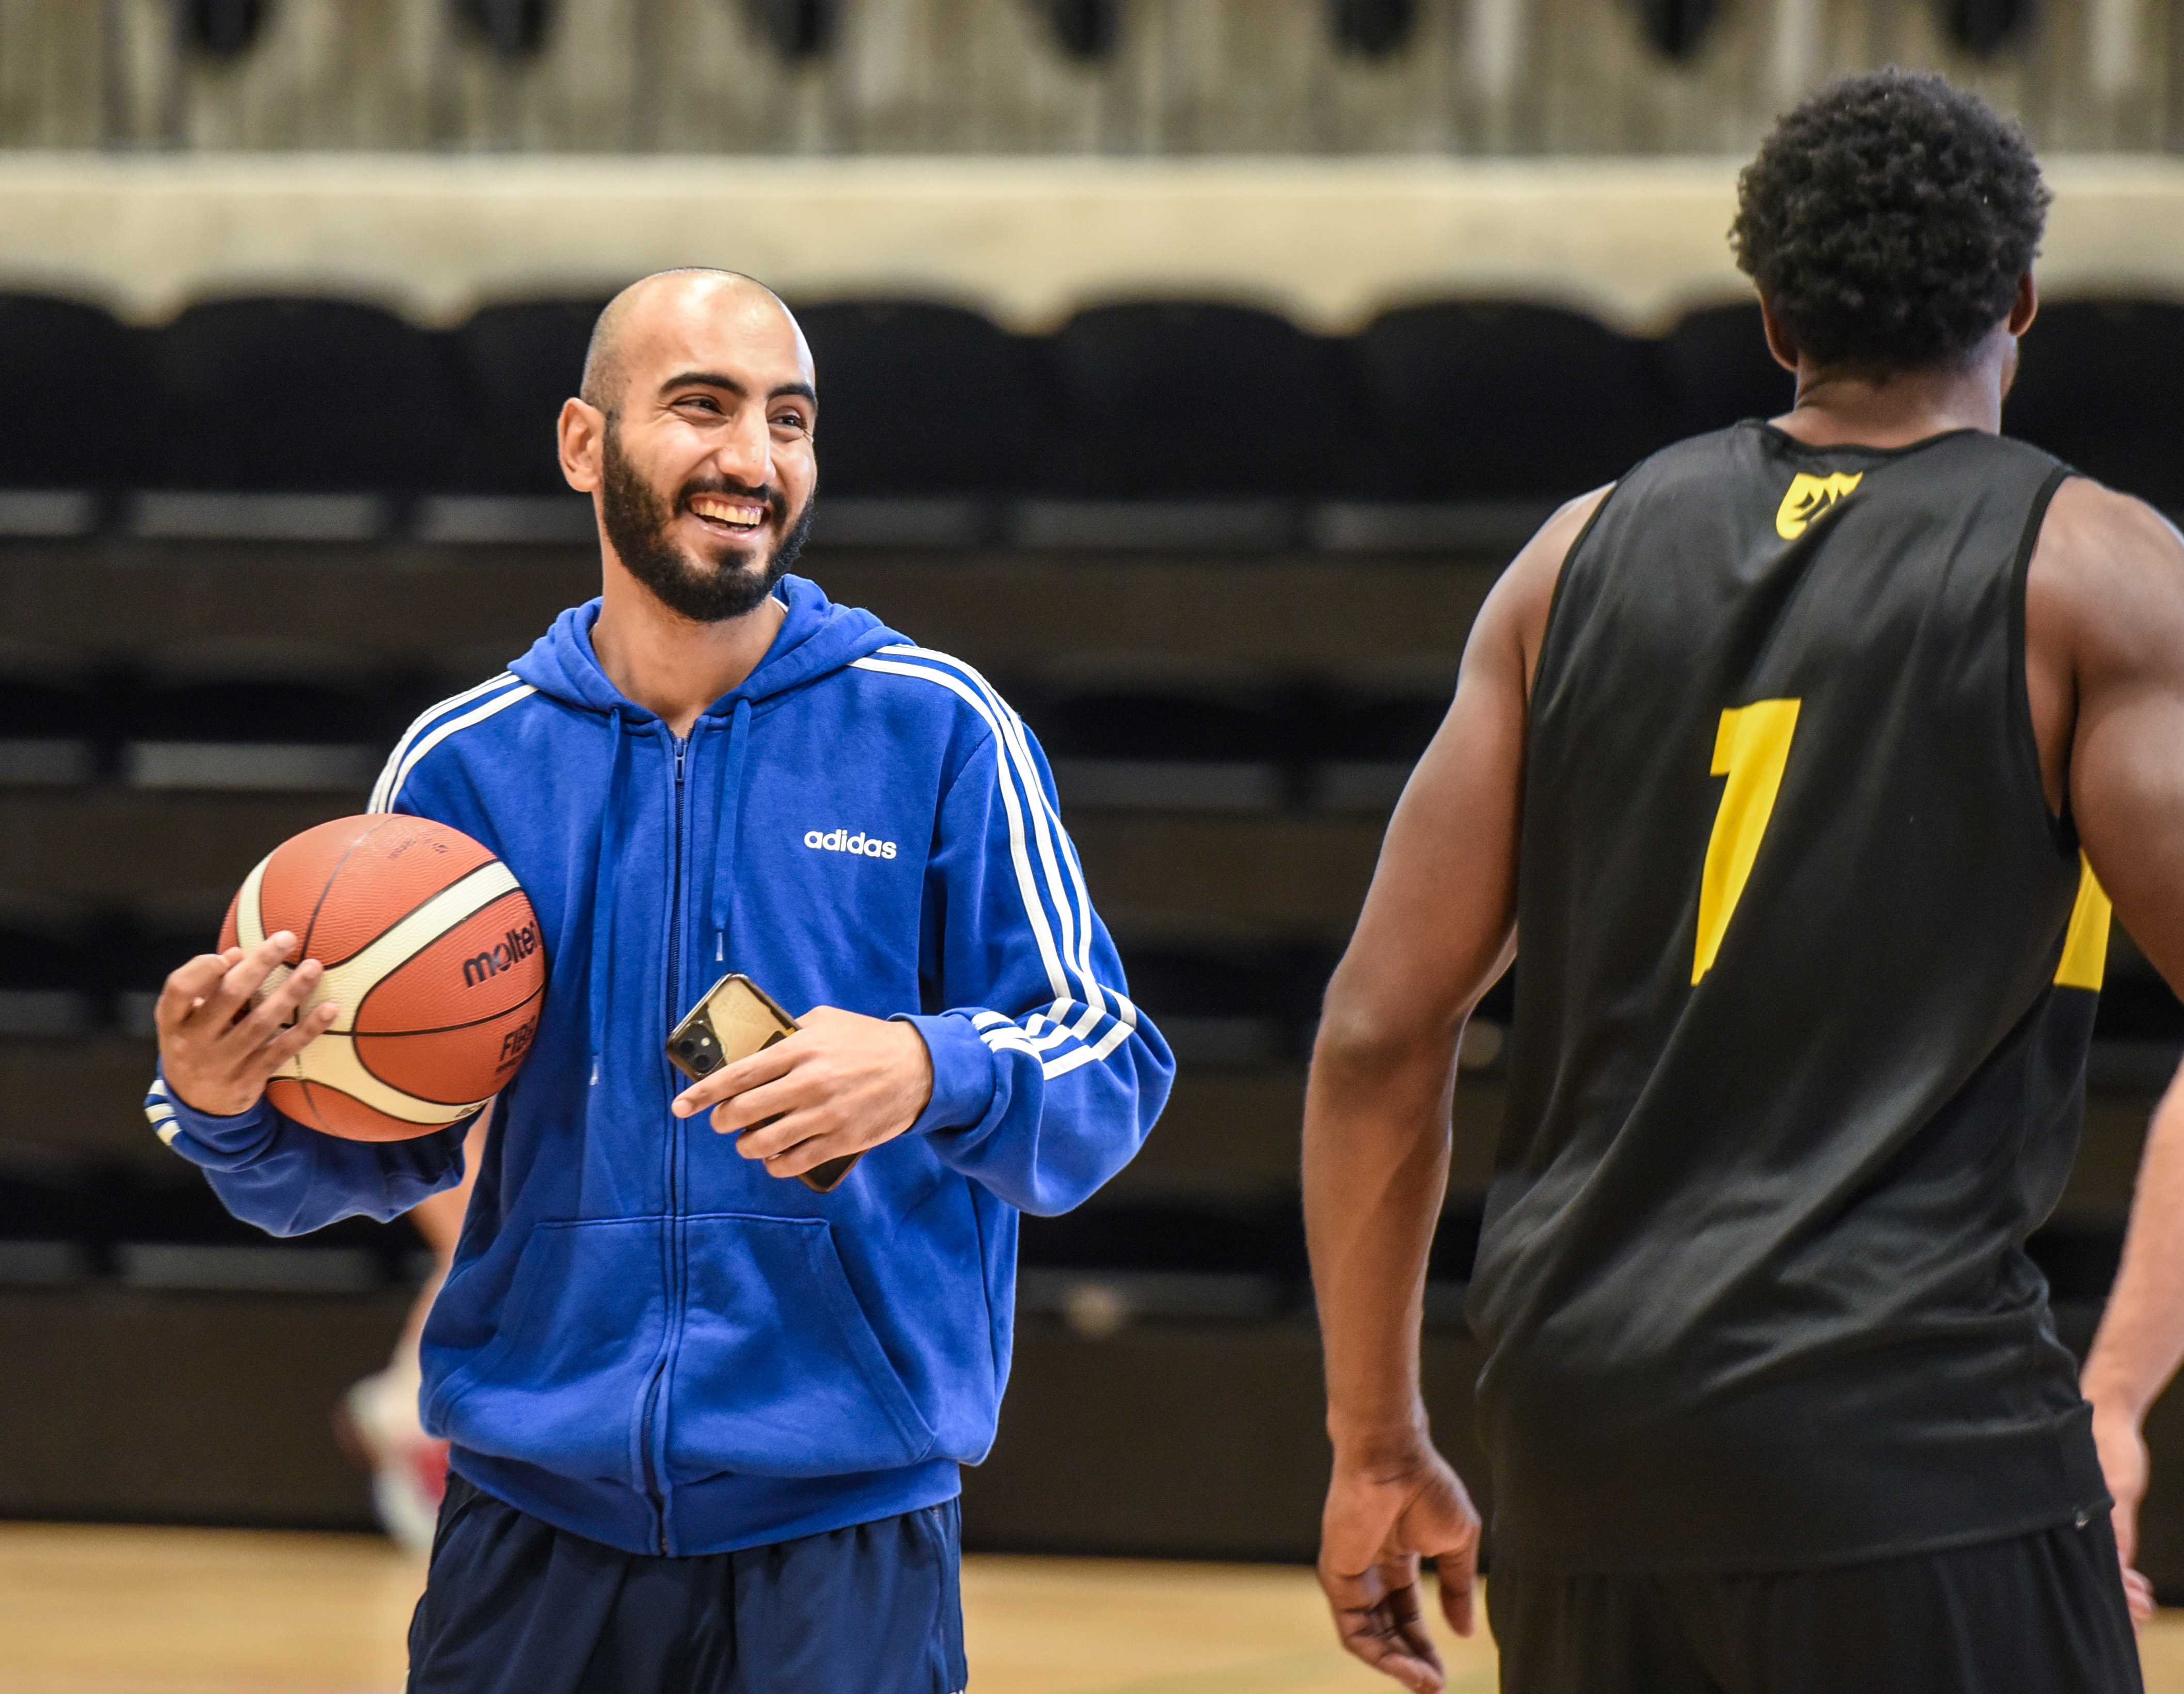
(1780, 342)
(582, 437)
(2026, 306)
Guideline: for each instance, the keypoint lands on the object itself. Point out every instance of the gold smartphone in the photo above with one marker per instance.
(735, 1019)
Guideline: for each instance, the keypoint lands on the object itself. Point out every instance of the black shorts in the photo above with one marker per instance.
(514, 1606)
(2038, 1614)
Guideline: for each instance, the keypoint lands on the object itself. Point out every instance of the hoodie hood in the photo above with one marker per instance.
(817, 637)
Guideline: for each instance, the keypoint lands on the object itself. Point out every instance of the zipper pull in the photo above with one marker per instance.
(720, 947)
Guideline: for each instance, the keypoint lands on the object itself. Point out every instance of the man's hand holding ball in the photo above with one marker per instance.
(217, 1050)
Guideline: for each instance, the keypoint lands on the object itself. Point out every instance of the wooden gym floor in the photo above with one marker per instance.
(128, 1611)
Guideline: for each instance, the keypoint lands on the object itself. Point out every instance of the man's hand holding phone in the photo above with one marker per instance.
(841, 1084)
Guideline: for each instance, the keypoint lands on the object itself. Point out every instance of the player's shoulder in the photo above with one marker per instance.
(2095, 540)
(2107, 570)
(2088, 517)
(450, 728)
(929, 683)
(1516, 609)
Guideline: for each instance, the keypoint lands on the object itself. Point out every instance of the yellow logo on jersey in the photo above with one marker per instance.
(1808, 497)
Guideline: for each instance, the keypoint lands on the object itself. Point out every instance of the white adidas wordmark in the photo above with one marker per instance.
(841, 840)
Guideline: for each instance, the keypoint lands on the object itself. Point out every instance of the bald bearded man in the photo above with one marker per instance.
(706, 1420)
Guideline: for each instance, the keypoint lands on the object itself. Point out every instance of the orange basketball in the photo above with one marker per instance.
(431, 951)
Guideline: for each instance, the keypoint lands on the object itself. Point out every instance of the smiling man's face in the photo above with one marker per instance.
(706, 466)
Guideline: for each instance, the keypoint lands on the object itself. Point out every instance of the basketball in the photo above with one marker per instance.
(432, 953)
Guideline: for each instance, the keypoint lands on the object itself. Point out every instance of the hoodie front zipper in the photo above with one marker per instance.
(656, 1386)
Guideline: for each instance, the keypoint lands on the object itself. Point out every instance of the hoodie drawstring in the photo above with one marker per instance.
(727, 840)
(606, 882)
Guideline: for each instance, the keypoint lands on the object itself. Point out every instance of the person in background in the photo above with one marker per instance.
(377, 1421)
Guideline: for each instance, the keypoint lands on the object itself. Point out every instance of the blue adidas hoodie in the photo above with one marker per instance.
(644, 1338)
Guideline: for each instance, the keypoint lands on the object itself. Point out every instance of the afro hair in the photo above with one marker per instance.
(1887, 221)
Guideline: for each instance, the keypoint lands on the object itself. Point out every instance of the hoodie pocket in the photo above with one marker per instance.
(562, 1384)
(779, 1373)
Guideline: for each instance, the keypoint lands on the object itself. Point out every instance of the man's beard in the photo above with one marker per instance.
(705, 592)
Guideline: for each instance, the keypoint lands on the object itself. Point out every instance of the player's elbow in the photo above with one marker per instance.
(1364, 1034)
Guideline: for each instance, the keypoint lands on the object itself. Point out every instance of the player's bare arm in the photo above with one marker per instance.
(2104, 614)
(1435, 932)
(843, 1083)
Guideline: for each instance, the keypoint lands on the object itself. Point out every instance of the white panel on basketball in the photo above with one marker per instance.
(348, 982)
(250, 923)
(332, 1064)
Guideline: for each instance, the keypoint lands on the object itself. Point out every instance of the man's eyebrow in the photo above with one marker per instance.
(703, 379)
(714, 379)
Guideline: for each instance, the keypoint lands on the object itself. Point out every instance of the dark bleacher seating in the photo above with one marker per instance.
(50, 1226)
(52, 728)
(138, 955)
(79, 401)
(515, 366)
(1229, 1005)
(265, 734)
(1163, 747)
(2096, 385)
(1192, 403)
(168, 1232)
(1103, 1267)
(517, 363)
(309, 410)
(1364, 745)
(1486, 401)
(50, 975)
(1719, 371)
(927, 415)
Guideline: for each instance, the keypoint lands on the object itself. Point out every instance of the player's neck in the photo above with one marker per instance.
(667, 663)
(1836, 408)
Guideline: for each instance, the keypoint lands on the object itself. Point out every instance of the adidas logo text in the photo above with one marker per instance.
(841, 840)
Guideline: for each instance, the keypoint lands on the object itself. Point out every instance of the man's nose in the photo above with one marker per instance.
(744, 450)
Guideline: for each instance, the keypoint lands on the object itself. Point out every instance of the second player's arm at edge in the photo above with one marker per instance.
(2104, 624)
(1437, 930)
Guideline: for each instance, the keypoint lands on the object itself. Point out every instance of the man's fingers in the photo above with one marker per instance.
(1378, 1619)
(245, 976)
(760, 1105)
(765, 1065)
(809, 1154)
(2138, 1595)
(1395, 1647)
(277, 1009)
(1458, 1573)
(187, 986)
(777, 1138)
(285, 1046)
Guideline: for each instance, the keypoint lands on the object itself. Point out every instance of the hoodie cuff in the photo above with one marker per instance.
(962, 1072)
(237, 1136)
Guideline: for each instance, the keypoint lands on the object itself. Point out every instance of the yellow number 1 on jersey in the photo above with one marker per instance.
(1751, 750)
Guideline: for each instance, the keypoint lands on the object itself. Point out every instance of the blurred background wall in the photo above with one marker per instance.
(1047, 77)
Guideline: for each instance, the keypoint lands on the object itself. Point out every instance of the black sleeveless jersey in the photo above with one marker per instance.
(1808, 978)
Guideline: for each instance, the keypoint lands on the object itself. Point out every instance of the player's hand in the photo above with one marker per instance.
(843, 1083)
(2124, 1465)
(1381, 1518)
(217, 1049)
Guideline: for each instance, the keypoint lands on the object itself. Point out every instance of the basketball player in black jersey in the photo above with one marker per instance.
(1799, 761)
